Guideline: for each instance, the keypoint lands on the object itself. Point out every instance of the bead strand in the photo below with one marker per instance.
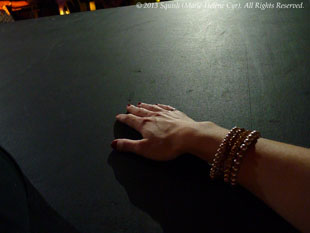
(220, 153)
(250, 139)
(228, 163)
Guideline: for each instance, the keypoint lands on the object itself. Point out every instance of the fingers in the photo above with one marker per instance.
(156, 107)
(166, 107)
(130, 120)
(150, 107)
(141, 112)
(127, 145)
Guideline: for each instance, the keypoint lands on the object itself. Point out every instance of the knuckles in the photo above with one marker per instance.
(145, 120)
(157, 114)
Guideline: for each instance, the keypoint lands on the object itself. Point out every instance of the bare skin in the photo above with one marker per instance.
(277, 173)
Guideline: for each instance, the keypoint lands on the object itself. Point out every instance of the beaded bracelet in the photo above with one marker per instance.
(230, 142)
(229, 155)
(234, 149)
(250, 139)
(219, 155)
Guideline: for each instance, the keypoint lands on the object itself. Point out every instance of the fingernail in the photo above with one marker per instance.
(139, 103)
(128, 105)
(114, 144)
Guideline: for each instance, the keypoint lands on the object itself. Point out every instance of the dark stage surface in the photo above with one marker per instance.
(63, 80)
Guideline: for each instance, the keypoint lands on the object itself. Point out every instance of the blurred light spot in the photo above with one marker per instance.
(61, 10)
(92, 6)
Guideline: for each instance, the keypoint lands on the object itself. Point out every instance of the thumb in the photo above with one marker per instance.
(128, 145)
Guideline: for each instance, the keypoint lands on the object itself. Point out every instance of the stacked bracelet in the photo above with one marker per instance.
(219, 156)
(235, 147)
(251, 139)
(229, 155)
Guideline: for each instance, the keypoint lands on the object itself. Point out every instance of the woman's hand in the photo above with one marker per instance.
(165, 131)
(268, 170)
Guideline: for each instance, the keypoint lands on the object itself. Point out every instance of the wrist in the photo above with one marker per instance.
(205, 139)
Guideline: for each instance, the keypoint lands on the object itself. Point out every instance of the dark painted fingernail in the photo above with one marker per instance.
(114, 144)
(128, 105)
(139, 103)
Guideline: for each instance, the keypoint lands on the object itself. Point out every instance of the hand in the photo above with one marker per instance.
(165, 131)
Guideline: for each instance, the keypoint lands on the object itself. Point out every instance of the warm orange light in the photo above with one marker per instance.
(6, 10)
(92, 6)
(14, 4)
(16, 9)
(61, 10)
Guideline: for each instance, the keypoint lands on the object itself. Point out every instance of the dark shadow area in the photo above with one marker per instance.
(180, 196)
(23, 209)
(43, 218)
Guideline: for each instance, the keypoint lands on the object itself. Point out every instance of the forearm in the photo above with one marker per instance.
(277, 173)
